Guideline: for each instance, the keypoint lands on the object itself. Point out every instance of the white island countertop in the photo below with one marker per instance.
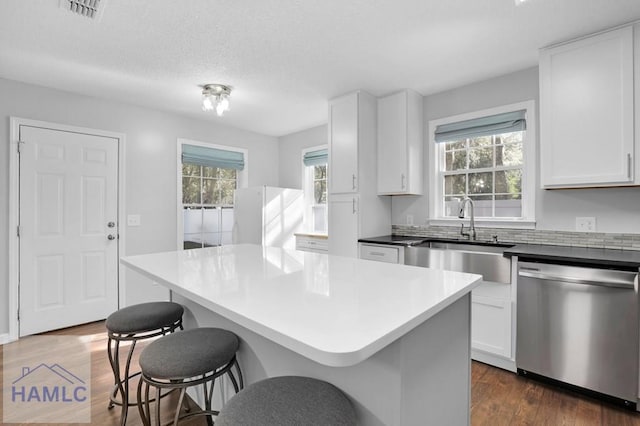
(337, 311)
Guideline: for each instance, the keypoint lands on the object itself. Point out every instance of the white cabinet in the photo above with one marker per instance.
(491, 319)
(343, 143)
(400, 147)
(382, 253)
(315, 243)
(355, 209)
(343, 225)
(587, 111)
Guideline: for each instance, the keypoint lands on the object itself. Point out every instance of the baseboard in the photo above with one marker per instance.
(495, 360)
(4, 338)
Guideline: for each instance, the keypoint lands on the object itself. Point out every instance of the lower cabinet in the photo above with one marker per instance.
(344, 225)
(491, 325)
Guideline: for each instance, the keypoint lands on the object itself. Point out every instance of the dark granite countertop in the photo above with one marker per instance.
(614, 258)
(576, 255)
(395, 240)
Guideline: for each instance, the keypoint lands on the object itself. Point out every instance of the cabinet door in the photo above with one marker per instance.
(392, 144)
(491, 325)
(343, 225)
(586, 96)
(343, 144)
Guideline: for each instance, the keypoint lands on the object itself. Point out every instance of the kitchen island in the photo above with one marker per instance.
(394, 338)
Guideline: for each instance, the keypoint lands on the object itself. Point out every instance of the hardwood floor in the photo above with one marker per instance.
(498, 397)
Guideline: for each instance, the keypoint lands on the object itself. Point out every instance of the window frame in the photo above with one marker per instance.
(529, 143)
(242, 179)
(309, 191)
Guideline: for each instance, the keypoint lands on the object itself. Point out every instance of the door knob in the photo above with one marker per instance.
(111, 224)
(111, 237)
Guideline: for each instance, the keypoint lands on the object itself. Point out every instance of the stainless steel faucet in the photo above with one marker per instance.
(472, 225)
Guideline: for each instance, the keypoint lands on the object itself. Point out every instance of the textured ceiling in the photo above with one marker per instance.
(284, 58)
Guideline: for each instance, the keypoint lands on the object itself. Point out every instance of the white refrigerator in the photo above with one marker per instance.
(268, 216)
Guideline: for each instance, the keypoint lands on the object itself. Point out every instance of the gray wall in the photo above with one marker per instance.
(291, 147)
(151, 140)
(616, 210)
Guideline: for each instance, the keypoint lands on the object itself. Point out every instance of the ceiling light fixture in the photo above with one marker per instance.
(216, 96)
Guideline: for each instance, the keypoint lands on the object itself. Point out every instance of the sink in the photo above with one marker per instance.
(480, 246)
(477, 257)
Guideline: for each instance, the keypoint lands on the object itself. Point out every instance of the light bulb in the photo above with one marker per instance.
(223, 104)
(207, 103)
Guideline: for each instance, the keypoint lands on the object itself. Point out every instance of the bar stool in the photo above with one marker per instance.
(181, 360)
(132, 324)
(288, 400)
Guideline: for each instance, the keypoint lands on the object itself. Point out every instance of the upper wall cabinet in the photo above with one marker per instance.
(587, 112)
(343, 144)
(400, 144)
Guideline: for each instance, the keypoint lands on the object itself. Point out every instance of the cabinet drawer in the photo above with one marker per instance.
(381, 253)
(312, 244)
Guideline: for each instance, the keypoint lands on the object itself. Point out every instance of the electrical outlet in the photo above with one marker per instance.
(586, 224)
(409, 219)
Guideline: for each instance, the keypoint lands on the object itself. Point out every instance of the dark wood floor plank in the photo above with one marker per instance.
(618, 416)
(528, 405)
(588, 412)
(496, 392)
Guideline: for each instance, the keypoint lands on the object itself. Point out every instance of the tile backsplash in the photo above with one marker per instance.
(530, 236)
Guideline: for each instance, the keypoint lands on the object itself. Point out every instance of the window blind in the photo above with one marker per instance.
(483, 126)
(212, 157)
(314, 158)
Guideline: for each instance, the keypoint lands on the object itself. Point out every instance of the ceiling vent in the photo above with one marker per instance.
(88, 8)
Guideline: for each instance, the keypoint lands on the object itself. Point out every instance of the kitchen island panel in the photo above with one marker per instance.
(421, 378)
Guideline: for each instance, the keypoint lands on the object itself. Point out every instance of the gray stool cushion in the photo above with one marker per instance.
(188, 353)
(288, 400)
(144, 317)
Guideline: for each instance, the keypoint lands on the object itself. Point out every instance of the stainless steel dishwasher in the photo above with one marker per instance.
(579, 326)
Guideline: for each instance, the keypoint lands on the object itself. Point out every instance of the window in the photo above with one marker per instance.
(208, 179)
(315, 189)
(487, 156)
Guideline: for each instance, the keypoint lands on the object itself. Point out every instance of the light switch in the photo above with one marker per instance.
(133, 220)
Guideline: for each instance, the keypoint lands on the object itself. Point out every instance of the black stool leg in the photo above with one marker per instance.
(158, 406)
(207, 399)
(143, 405)
(183, 391)
(121, 384)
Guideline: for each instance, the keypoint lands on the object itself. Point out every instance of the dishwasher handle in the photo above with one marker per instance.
(574, 280)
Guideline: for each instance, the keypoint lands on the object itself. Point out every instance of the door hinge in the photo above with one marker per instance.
(18, 231)
(20, 143)
(18, 314)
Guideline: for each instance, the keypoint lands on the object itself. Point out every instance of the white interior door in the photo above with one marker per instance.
(68, 228)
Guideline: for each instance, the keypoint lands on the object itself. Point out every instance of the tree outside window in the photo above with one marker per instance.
(319, 206)
(487, 169)
(207, 199)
